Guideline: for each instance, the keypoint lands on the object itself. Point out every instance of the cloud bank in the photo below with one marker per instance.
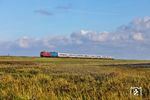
(127, 41)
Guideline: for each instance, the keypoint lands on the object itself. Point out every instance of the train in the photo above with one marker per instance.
(71, 55)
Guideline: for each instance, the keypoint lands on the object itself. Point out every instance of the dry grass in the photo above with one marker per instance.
(24, 78)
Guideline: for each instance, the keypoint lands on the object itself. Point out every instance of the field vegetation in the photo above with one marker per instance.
(33, 78)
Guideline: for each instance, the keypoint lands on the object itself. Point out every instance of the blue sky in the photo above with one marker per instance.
(67, 25)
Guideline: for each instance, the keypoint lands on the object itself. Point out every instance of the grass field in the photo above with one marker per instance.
(30, 78)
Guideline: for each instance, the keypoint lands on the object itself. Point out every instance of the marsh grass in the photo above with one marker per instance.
(26, 78)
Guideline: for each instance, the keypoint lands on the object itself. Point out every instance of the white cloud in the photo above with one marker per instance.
(138, 37)
(89, 36)
(137, 30)
(47, 44)
(24, 42)
(101, 37)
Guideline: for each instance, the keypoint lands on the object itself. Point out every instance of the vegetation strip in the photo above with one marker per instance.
(31, 78)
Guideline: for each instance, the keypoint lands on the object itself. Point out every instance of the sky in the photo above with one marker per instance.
(117, 28)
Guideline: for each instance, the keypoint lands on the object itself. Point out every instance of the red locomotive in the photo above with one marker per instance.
(45, 54)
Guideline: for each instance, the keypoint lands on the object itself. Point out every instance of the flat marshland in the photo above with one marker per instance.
(34, 78)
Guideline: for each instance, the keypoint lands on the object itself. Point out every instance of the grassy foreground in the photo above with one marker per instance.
(29, 78)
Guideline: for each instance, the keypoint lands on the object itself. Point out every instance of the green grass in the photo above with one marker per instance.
(33, 78)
